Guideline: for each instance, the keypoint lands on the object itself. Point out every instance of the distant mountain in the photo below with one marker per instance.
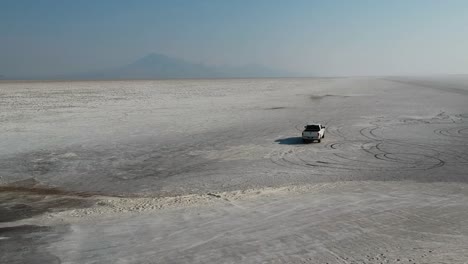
(253, 70)
(157, 66)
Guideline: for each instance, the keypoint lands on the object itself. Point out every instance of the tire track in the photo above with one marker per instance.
(454, 132)
(373, 152)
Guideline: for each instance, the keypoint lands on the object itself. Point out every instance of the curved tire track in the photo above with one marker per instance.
(372, 152)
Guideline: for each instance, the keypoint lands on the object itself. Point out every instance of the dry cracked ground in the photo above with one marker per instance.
(214, 171)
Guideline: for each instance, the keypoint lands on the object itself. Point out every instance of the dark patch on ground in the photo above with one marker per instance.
(97, 168)
(320, 97)
(28, 243)
(214, 195)
(17, 205)
(275, 108)
(46, 190)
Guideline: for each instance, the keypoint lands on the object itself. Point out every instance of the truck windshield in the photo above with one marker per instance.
(312, 128)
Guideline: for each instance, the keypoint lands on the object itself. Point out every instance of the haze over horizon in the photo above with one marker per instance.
(309, 38)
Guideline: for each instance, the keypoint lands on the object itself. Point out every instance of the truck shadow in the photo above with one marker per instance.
(290, 141)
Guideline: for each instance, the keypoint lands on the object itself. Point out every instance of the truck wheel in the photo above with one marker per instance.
(318, 140)
(323, 136)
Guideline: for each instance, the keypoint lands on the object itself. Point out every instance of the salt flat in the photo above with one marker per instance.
(215, 171)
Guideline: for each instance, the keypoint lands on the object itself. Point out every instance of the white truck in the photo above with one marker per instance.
(313, 132)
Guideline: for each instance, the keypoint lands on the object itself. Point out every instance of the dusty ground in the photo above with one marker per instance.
(201, 171)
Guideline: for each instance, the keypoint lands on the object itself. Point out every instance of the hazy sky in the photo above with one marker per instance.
(313, 37)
